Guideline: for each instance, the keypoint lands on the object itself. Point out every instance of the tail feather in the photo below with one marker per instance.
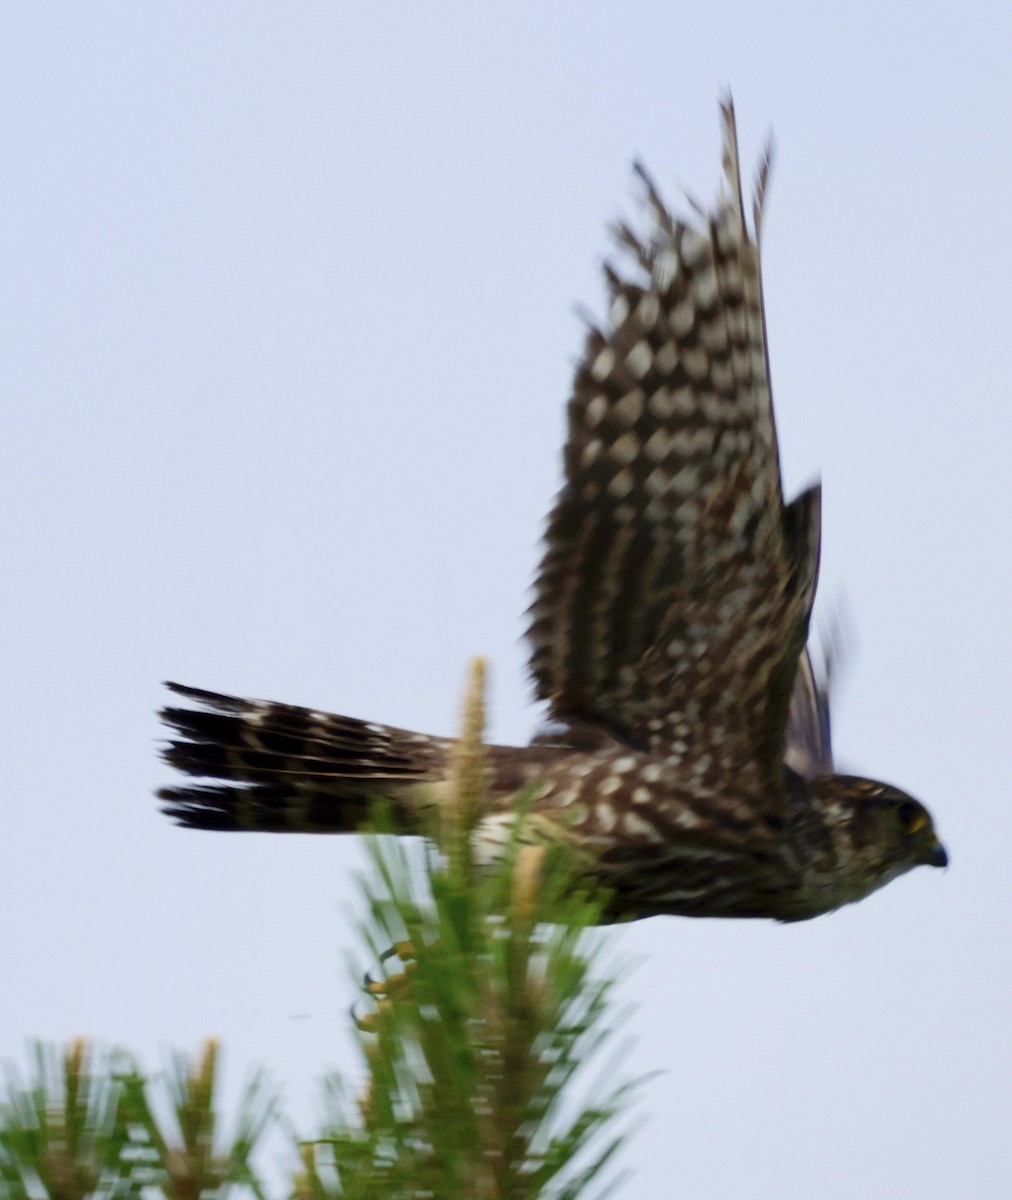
(262, 809)
(286, 768)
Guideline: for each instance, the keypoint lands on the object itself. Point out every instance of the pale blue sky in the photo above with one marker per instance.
(288, 327)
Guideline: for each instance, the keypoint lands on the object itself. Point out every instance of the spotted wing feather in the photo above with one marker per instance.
(674, 593)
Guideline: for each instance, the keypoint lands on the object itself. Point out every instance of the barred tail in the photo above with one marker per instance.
(278, 768)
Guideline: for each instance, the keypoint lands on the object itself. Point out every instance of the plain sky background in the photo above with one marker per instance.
(288, 327)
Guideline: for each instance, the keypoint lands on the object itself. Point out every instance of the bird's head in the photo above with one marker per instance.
(888, 831)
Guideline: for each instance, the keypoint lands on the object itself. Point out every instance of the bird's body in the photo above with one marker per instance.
(690, 763)
(662, 843)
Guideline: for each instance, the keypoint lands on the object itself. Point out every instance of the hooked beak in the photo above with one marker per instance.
(936, 855)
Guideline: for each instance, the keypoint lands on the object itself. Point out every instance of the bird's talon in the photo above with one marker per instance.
(384, 989)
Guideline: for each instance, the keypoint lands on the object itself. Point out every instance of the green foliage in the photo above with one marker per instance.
(470, 1050)
(88, 1126)
(473, 1045)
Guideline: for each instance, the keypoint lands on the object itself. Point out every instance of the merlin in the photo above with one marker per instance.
(688, 751)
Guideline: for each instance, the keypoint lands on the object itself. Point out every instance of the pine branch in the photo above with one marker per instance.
(477, 1038)
(471, 1056)
(89, 1126)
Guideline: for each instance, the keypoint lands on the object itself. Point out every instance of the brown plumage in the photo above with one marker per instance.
(690, 758)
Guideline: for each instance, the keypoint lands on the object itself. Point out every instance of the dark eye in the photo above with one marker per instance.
(908, 814)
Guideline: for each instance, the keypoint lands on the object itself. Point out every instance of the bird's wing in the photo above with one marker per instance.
(809, 729)
(673, 598)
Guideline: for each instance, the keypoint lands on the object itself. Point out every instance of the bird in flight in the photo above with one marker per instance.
(689, 754)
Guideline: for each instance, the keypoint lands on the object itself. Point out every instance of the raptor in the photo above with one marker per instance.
(689, 754)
